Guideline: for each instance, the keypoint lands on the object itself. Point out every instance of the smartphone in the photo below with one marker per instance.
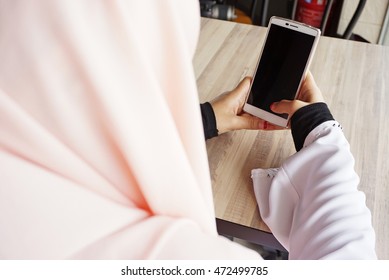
(284, 60)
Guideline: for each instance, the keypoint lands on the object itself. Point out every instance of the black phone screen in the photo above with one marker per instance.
(281, 67)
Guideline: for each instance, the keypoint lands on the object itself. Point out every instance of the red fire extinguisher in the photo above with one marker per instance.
(311, 11)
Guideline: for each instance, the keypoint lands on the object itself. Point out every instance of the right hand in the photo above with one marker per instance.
(309, 93)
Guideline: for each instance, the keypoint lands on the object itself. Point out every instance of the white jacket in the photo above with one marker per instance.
(312, 203)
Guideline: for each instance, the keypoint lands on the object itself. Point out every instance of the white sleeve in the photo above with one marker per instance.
(312, 204)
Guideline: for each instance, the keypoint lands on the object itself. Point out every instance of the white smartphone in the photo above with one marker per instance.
(285, 57)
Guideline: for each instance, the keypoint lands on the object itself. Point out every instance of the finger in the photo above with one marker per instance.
(242, 88)
(244, 84)
(309, 91)
(269, 126)
(310, 80)
(247, 121)
(287, 106)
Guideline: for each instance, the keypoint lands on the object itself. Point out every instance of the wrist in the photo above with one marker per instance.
(220, 118)
(305, 119)
(209, 120)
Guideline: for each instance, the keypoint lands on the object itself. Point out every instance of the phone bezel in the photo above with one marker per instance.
(296, 26)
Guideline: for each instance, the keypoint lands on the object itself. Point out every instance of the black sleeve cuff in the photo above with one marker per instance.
(209, 121)
(306, 119)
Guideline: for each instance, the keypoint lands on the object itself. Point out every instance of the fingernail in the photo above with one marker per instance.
(272, 106)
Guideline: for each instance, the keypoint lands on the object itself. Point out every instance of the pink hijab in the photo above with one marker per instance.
(102, 152)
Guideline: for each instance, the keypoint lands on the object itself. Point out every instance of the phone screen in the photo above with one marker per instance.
(281, 67)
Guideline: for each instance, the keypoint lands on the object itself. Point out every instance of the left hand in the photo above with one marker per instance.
(228, 109)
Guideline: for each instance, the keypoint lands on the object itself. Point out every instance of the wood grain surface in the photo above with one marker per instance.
(354, 79)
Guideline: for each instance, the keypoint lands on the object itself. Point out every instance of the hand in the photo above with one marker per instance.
(228, 109)
(309, 93)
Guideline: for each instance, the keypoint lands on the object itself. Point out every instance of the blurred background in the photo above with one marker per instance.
(358, 20)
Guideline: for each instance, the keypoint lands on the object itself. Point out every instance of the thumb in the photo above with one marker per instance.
(287, 106)
(242, 88)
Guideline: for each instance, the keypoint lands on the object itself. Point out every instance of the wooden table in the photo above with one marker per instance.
(354, 79)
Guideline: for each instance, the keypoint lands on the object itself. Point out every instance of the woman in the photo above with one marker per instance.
(102, 152)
